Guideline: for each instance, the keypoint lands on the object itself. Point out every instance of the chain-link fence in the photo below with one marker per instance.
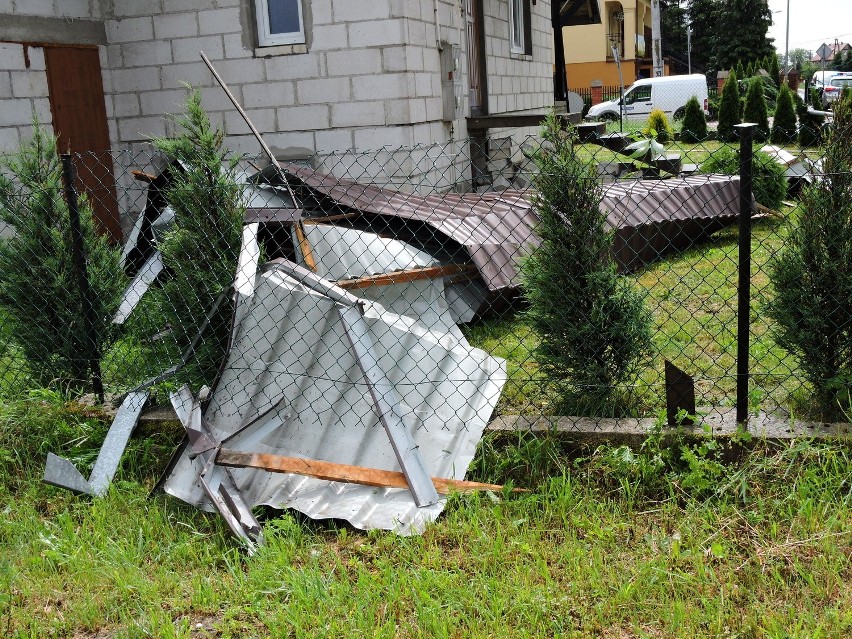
(339, 289)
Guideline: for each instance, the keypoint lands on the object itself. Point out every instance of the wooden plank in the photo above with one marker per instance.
(340, 472)
(305, 247)
(330, 218)
(143, 177)
(410, 275)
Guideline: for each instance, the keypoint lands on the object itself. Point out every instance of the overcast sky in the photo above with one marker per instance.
(812, 22)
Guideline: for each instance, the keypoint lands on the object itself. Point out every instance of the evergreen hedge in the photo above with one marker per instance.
(38, 281)
(694, 128)
(812, 278)
(784, 124)
(593, 326)
(769, 183)
(201, 251)
(729, 109)
(755, 109)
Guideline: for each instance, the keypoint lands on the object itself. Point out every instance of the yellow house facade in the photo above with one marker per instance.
(590, 31)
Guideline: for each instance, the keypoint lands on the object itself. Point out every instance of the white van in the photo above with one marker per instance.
(670, 94)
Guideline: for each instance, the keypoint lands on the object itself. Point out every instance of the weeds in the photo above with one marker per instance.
(671, 540)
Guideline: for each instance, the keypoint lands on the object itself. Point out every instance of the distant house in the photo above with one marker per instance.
(829, 52)
(317, 75)
(590, 29)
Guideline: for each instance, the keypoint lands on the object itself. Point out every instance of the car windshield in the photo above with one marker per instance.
(842, 82)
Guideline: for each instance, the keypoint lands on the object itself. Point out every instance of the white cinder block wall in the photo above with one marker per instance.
(368, 77)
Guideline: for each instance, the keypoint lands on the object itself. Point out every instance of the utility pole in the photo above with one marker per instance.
(689, 47)
(787, 47)
(656, 39)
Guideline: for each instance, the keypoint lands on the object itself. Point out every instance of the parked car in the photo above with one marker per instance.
(669, 94)
(831, 92)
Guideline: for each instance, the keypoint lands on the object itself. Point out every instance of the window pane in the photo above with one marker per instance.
(283, 16)
(517, 19)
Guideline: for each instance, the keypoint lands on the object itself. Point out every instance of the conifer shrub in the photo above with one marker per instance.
(769, 184)
(755, 109)
(784, 124)
(694, 128)
(39, 290)
(739, 69)
(810, 126)
(812, 279)
(729, 109)
(593, 326)
(659, 126)
(774, 70)
(201, 251)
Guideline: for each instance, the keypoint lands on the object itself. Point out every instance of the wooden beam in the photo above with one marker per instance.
(341, 472)
(330, 218)
(305, 247)
(410, 275)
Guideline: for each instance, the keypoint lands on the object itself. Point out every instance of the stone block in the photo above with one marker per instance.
(178, 25)
(347, 114)
(146, 54)
(194, 73)
(126, 105)
(12, 56)
(5, 86)
(29, 84)
(129, 30)
(323, 91)
(377, 33)
(291, 67)
(263, 120)
(141, 129)
(235, 48)
(268, 94)
(304, 118)
(16, 112)
(330, 37)
(348, 11)
(141, 79)
(187, 49)
(381, 86)
(218, 21)
(353, 63)
(333, 140)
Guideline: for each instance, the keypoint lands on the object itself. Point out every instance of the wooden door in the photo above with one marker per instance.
(80, 123)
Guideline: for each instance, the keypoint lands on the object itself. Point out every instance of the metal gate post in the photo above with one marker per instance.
(745, 132)
(79, 257)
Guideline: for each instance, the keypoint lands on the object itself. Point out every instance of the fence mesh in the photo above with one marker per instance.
(301, 295)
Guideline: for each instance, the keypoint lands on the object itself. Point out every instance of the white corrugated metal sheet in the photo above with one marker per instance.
(291, 386)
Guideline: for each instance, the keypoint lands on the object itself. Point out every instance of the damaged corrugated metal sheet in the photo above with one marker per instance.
(292, 386)
(653, 217)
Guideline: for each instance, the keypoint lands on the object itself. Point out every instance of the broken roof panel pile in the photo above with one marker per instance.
(299, 382)
(651, 218)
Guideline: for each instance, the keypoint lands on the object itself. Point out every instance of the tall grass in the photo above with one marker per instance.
(608, 543)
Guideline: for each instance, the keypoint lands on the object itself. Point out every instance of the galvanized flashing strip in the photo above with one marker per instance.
(152, 267)
(387, 406)
(248, 260)
(62, 473)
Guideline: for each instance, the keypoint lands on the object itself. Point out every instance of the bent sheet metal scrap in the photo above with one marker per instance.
(317, 373)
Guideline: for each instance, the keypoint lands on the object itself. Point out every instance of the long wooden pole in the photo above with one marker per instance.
(341, 472)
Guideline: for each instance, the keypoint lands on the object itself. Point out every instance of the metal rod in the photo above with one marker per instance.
(746, 135)
(79, 260)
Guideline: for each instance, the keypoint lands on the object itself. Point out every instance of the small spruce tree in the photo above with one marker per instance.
(812, 279)
(740, 70)
(774, 70)
(694, 127)
(201, 251)
(729, 109)
(750, 71)
(784, 124)
(755, 109)
(593, 326)
(659, 126)
(809, 125)
(38, 280)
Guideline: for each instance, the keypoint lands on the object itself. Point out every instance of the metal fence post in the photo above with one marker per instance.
(81, 273)
(745, 132)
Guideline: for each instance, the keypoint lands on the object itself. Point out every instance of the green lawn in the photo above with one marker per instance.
(664, 543)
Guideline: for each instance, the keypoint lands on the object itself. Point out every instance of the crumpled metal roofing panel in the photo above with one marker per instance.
(292, 383)
(494, 229)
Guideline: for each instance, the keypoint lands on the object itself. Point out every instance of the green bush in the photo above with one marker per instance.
(729, 109)
(774, 70)
(38, 282)
(769, 184)
(755, 109)
(784, 125)
(694, 127)
(593, 326)
(812, 278)
(659, 126)
(201, 251)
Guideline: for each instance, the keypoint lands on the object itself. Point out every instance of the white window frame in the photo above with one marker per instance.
(267, 39)
(516, 39)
